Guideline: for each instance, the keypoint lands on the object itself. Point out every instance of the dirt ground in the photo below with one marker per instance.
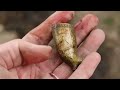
(16, 24)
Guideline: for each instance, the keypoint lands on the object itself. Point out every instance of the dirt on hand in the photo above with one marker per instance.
(17, 24)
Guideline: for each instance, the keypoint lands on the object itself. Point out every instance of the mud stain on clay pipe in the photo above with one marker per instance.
(66, 45)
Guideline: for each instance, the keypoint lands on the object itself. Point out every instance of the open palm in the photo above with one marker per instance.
(33, 58)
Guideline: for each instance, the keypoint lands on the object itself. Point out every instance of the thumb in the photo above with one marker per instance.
(32, 53)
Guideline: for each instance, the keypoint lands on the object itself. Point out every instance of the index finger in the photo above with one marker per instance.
(42, 33)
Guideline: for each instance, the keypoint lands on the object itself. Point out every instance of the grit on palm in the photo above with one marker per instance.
(16, 24)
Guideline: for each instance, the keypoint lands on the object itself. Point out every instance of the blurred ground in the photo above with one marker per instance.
(17, 24)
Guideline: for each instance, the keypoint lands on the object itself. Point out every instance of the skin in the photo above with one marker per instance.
(32, 57)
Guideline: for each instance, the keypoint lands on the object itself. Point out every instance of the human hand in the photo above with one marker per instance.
(33, 58)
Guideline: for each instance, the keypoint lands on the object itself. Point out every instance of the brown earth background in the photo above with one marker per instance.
(15, 24)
